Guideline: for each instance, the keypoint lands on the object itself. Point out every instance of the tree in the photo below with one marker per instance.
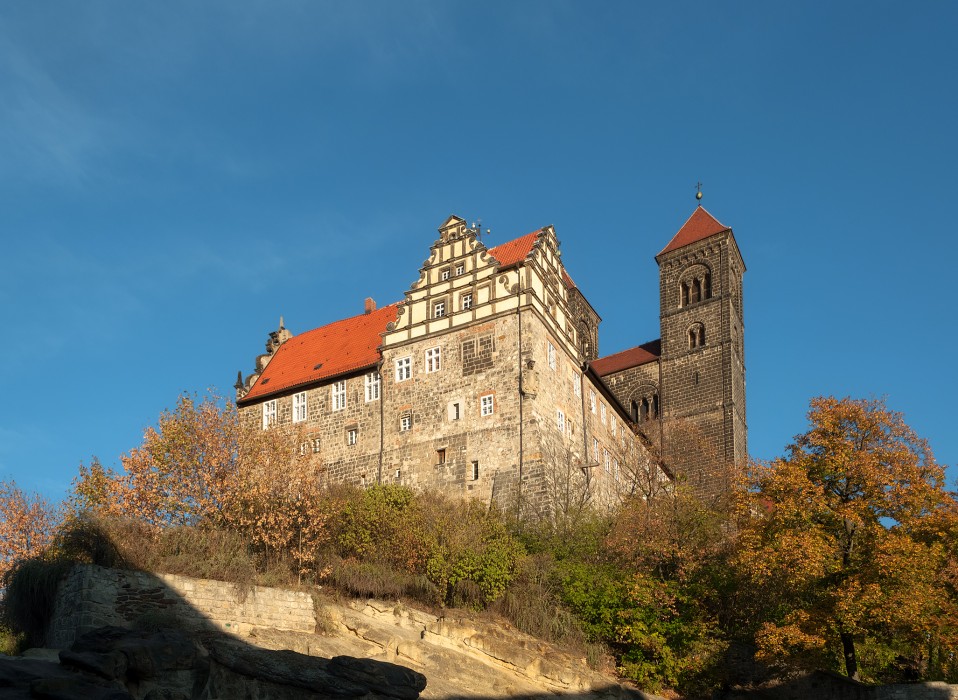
(845, 541)
(27, 525)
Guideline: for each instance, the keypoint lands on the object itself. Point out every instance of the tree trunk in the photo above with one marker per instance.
(851, 661)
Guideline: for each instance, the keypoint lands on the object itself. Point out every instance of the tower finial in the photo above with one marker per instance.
(698, 193)
(281, 324)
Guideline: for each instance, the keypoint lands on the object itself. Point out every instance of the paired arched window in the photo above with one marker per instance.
(695, 285)
(696, 334)
(645, 407)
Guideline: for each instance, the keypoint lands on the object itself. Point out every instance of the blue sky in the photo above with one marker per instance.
(175, 176)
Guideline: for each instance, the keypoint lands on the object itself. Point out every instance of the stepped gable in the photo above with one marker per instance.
(698, 227)
(334, 349)
(633, 357)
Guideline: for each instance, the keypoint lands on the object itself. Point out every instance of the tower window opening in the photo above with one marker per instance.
(696, 290)
(707, 287)
(685, 294)
(634, 411)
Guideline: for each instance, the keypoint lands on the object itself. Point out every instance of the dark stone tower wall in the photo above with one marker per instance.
(703, 379)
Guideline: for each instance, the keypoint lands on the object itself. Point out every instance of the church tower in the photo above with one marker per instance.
(702, 362)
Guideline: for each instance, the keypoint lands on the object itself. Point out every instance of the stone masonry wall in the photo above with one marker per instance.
(92, 597)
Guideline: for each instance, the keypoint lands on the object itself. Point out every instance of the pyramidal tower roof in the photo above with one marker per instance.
(699, 226)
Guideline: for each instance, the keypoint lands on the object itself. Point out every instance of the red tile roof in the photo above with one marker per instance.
(633, 357)
(515, 251)
(340, 347)
(699, 226)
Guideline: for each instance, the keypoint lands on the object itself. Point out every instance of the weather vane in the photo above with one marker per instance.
(698, 193)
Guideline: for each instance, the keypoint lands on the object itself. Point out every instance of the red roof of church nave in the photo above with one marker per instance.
(699, 226)
(337, 348)
(633, 357)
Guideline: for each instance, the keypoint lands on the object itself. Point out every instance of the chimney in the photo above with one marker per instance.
(369, 306)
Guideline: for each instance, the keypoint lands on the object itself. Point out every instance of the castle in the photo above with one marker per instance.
(485, 380)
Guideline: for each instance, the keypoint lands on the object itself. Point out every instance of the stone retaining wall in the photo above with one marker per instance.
(92, 597)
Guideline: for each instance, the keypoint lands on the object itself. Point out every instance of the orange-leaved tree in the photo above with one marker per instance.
(846, 543)
(27, 524)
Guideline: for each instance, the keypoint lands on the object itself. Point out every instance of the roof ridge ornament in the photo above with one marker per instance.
(698, 192)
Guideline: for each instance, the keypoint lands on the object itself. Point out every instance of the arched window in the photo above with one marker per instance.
(696, 335)
(634, 411)
(695, 285)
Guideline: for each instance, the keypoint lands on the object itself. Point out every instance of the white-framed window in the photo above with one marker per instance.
(466, 301)
(592, 400)
(614, 424)
(487, 405)
(269, 413)
(403, 369)
(372, 386)
(352, 435)
(439, 309)
(444, 275)
(433, 363)
(460, 268)
(339, 395)
(608, 461)
(455, 412)
(576, 384)
(316, 445)
(299, 407)
(405, 423)
(595, 450)
(560, 420)
(602, 413)
(615, 469)
(552, 356)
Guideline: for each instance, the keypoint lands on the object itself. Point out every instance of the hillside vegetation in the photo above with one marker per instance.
(841, 555)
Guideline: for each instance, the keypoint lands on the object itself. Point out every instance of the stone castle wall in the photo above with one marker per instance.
(92, 597)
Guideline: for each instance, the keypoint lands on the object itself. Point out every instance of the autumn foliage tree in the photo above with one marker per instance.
(27, 525)
(846, 545)
(200, 465)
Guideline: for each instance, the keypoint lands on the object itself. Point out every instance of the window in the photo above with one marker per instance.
(602, 412)
(439, 309)
(352, 435)
(696, 336)
(552, 356)
(432, 360)
(339, 396)
(576, 385)
(303, 448)
(454, 412)
(299, 407)
(441, 456)
(486, 405)
(315, 444)
(460, 268)
(372, 386)
(560, 421)
(466, 302)
(269, 413)
(614, 425)
(403, 369)
(475, 471)
(592, 400)
(595, 450)
(405, 423)
(608, 460)
(444, 275)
